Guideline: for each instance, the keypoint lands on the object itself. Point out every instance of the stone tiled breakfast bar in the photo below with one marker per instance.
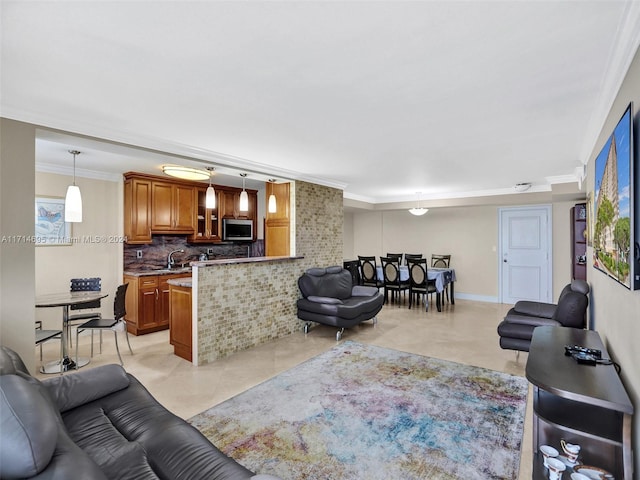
(242, 302)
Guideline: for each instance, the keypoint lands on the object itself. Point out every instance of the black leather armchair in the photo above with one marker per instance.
(330, 298)
(517, 327)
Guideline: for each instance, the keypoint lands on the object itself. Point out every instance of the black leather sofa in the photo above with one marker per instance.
(330, 298)
(98, 423)
(516, 329)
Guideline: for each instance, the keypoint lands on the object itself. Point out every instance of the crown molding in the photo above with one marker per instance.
(446, 196)
(80, 172)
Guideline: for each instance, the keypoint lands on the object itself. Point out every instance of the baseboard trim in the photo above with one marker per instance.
(476, 298)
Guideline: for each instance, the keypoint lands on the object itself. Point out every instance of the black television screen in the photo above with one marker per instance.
(614, 239)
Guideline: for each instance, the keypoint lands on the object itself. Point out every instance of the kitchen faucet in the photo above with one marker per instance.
(170, 260)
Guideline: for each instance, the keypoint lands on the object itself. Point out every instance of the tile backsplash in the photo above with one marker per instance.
(155, 255)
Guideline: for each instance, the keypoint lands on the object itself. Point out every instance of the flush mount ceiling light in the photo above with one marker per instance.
(73, 199)
(419, 210)
(272, 204)
(210, 197)
(244, 197)
(522, 187)
(186, 173)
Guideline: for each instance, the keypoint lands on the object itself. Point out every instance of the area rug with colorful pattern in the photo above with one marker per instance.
(361, 412)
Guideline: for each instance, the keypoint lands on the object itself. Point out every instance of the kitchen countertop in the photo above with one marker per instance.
(231, 261)
(162, 271)
(181, 282)
(205, 263)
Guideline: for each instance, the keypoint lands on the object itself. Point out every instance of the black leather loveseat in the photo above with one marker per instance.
(329, 297)
(99, 423)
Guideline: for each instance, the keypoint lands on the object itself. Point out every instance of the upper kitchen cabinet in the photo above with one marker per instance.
(277, 227)
(173, 207)
(230, 205)
(207, 222)
(156, 205)
(137, 210)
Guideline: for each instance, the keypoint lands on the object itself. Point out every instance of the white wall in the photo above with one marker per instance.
(17, 221)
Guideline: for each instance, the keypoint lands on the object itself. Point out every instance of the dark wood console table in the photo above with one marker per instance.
(581, 404)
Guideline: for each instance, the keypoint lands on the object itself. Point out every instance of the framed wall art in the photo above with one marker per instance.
(51, 229)
(613, 219)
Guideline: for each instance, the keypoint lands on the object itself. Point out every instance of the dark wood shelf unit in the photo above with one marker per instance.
(570, 415)
(578, 223)
(581, 404)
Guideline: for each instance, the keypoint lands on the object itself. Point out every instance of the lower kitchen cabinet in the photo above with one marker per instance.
(180, 321)
(148, 303)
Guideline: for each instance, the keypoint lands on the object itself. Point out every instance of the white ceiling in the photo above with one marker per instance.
(383, 99)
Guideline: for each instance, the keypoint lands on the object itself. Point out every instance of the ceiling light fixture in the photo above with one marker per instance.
(244, 197)
(419, 210)
(73, 199)
(272, 204)
(522, 187)
(210, 197)
(186, 173)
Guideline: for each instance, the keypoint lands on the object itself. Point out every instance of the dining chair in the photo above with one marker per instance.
(92, 284)
(397, 256)
(419, 283)
(353, 266)
(392, 282)
(441, 261)
(116, 323)
(408, 256)
(369, 271)
(43, 336)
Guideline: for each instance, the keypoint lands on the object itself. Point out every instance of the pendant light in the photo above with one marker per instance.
(419, 210)
(272, 205)
(73, 199)
(244, 196)
(210, 198)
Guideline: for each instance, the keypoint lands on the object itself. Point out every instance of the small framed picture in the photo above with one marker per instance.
(51, 229)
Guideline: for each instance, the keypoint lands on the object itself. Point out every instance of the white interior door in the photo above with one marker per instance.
(525, 254)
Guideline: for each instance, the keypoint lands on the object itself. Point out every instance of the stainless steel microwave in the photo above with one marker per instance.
(237, 230)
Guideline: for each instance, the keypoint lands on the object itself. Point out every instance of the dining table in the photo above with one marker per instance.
(66, 300)
(444, 277)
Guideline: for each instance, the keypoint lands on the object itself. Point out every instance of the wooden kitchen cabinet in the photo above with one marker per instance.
(230, 205)
(207, 220)
(137, 210)
(147, 302)
(173, 207)
(156, 205)
(180, 321)
(277, 227)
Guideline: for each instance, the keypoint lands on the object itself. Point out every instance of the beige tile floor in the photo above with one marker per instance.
(464, 333)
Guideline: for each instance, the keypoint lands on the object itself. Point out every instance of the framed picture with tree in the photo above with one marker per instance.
(613, 235)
